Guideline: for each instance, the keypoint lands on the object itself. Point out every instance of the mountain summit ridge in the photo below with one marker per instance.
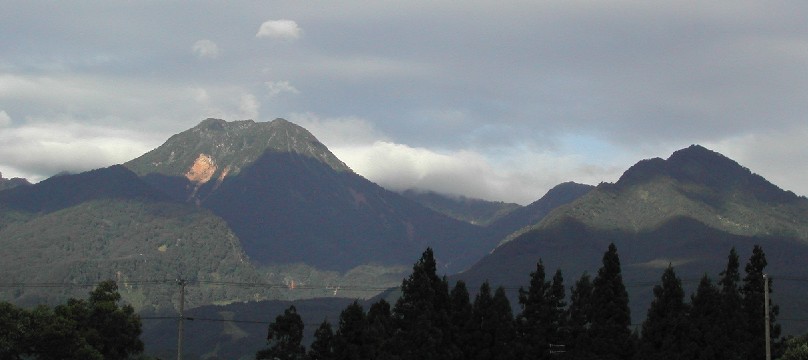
(230, 146)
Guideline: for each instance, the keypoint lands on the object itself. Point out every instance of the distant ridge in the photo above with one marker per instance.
(63, 191)
(12, 183)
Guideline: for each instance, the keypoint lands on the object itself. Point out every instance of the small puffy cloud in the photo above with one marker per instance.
(5, 120)
(275, 88)
(205, 49)
(279, 29)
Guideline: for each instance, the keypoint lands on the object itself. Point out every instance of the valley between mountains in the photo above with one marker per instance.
(252, 214)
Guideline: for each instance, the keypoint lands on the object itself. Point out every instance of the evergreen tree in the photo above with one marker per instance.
(705, 322)
(559, 334)
(422, 314)
(579, 319)
(753, 304)
(284, 336)
(493, 327)
(733, 345)
(323, 346)
(542, 318)
(665, 333)
(351, 341)
(609, 331)
(460, 317)
(380, 329)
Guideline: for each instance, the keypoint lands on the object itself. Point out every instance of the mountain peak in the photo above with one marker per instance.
(700, 166)
(216, 148)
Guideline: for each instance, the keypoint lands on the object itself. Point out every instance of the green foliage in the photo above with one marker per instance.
(123, 240)
(796, 349)
(97, 328)
(285, 335)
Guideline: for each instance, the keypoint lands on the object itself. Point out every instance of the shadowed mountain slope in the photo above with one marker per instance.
(291, 200)
(687, 211)
(470, 210)
(64, 191)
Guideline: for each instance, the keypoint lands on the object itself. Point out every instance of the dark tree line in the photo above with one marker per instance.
(96, 328)
(722, 320)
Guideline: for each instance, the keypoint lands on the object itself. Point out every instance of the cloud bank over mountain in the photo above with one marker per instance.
(528, 91)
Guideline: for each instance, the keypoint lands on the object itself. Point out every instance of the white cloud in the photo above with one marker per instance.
(275, 88)
(42, 149)
(5, 120)
(279, 29)
(523, 180)
(249, 106)
(339, 131)
(778, 155)
(205, 49)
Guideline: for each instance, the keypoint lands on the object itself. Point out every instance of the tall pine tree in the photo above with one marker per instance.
(460, 315)
(422, 313)
(665, 332)
(539, 325)
(579, 315)
(351, 340)
(609, 332)
(706, 332)
(493, 328)
(753, 304)
(323, 346)
(734, 343)
(380, 329)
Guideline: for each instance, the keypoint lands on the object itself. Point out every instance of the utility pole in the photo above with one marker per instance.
(180, 324)
(766, 310)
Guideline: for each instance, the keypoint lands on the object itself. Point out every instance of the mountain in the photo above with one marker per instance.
(12, 183)
(470, 210)
(521, 220)
(194, 163)
(63, 191)
(290, 200)
(109, 224)
(687, 211)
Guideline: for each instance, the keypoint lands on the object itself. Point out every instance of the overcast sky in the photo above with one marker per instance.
(495, 100)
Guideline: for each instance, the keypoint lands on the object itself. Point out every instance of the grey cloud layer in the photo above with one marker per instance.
(549, 81)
